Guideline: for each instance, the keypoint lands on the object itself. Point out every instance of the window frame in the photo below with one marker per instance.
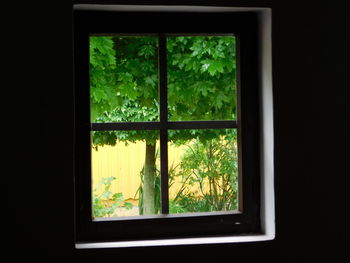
(168, 226)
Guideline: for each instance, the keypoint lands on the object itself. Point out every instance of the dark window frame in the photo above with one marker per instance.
(247, 220)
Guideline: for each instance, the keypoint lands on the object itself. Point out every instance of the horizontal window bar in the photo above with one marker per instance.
(125, 34)
(160, 216)
(108, 126)
(199, 34)
(201, 124)
(166, 34)
(167, 125)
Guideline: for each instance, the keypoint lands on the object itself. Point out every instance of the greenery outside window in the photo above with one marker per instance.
(198, 94)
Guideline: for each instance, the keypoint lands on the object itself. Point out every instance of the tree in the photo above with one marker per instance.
(124, 87)
(130, 95)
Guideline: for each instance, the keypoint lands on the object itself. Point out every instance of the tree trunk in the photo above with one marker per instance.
(148, 180)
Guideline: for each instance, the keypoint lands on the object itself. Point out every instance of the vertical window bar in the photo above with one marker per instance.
(239, 124)
(164, 171)
(163, 108)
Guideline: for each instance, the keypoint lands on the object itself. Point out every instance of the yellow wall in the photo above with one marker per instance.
(125, 163)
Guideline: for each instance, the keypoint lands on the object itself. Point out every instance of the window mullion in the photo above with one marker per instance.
(111, 126)
(163, 116)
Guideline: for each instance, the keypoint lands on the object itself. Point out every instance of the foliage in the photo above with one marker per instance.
(102, 75)
(124, 82)
(124, 88)
(122, 69)
(201, 83)
(101, 202)
(211, 166)
(130, 110)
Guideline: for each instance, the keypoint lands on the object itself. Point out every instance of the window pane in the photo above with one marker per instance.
(125, 173)
(202, 78)
(123, 78)
(203, 170)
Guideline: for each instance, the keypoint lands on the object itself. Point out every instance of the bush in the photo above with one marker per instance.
(104, 204)
(210, 167)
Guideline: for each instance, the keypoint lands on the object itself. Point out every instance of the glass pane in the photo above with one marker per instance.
(201, 78)
(125, 173)
(203, 170)
(123, 78)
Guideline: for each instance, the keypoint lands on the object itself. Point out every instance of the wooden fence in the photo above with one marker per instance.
(125, 163)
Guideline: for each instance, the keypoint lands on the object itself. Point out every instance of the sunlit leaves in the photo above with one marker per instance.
(124, 80)
(101, 206)
(122, 69)
(112, 137)
(200, 68)
(102, 77)
(147, 51)
(208, 171)
(201, 86)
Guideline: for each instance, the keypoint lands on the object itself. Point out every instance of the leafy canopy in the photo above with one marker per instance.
(123, 74)
(201, 83)
(124, 83)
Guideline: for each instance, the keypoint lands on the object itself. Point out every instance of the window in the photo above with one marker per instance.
(183, 96)
(194, 113)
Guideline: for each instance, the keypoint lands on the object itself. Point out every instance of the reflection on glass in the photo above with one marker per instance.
(123, 78)
(203, 170)
(125, 173)
(201, 78)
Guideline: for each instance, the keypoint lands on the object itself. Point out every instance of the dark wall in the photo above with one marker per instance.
(310, 59)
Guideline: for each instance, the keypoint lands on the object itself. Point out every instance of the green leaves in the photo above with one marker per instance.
(102, 78)
(122, 69)
(147, 51)
(101, 202)
(128, 206)
(208, 172)
(220, 99)
(124, 80)
(201, 78)
(212, 66)
(112, 137)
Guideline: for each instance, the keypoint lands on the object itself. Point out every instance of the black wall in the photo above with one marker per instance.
(310, 59)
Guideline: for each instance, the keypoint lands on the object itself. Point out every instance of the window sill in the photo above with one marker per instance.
(177, 242)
